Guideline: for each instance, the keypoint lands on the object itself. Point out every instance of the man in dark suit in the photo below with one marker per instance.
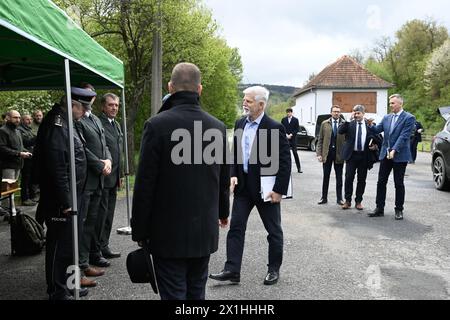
(292, 127)
(180, 197)
(394, 155)
(329, 146)
(99, 163)
(359, 142)
(416, 137)
(246, 173)
(114, 140)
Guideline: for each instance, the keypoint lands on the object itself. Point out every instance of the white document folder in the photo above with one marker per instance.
(267, 184)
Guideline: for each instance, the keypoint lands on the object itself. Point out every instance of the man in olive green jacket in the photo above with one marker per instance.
(328, 151)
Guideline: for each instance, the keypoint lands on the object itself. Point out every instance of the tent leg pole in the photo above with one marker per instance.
(73, 188)
(126, 230)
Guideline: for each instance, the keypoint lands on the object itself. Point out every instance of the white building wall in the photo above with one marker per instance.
(304, 108)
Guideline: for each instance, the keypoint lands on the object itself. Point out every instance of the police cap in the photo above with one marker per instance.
(83, 96)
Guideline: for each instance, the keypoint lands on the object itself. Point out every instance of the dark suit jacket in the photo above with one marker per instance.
(96, 150)
(114, 141)
(291, 128)
(177, 206)
(254, 170)
(350, 131)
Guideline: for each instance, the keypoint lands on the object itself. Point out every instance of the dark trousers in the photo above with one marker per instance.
(386, 166)
(270, 215)
(181, 279)
(357, 163)
(59, 254)
(89, 240)
(27, 188)
(297, 159)
(414, 143)
(58, 257)
(338, 168)
(106, 217)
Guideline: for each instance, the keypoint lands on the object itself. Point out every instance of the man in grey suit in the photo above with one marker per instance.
(114, 139)
(99, 162)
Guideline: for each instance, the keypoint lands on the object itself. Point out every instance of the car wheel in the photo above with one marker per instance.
(312, 145)
(439, 174)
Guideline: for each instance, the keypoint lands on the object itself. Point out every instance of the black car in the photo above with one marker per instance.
(308, 135)
(306, 139)
(440, 151)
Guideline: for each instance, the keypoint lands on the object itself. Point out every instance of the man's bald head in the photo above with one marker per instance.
(185, 77)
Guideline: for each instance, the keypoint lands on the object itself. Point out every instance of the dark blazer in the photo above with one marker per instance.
(11, 146)
(177, 206)
(416, 135)
(96, 150)
(254, 170)
(114, 141)
(52, 157)
(291, 128)
(349, 129)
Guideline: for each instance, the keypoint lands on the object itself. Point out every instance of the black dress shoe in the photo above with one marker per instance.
(322, 201)
(61, 298)
(376, 213)
(101, 262)
(226, 276)
(108, 254)
(398, 214)
(271, 278)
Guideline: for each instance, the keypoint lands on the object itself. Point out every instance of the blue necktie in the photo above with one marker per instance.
(359, 141)
(394, 118)
(335, 128)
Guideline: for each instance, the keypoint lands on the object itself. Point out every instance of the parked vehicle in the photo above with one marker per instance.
(306, 138)
(440, 151)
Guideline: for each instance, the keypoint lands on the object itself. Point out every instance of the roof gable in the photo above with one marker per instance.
(345, 73)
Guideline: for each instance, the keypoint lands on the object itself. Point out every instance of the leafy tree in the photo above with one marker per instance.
(126, 28)
(416, 40)
(437, 71)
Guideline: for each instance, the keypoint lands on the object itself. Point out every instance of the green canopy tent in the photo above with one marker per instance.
(42, 48)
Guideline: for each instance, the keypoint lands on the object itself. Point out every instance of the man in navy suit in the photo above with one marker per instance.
(394, 155)
(246, 172)
(292, 127)
(359, 141)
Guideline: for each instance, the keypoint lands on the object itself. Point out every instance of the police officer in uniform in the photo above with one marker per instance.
(52, 156)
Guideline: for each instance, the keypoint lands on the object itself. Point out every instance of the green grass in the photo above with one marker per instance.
(122, 192)
(424, 146)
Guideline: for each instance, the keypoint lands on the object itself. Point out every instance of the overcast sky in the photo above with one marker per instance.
(284, 41)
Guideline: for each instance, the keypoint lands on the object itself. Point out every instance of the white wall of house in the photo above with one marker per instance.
(304, 108)
(308, 106)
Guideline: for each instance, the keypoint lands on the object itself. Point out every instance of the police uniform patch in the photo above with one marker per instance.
(58, 121)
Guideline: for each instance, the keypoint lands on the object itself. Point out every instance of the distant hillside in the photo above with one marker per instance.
(280, 98)
(284, 90)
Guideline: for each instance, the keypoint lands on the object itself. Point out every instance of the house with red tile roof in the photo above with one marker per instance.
(345, 83)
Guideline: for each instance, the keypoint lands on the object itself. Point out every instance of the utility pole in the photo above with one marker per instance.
(157, 64)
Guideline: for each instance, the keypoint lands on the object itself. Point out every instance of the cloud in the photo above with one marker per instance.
(374, 17)
(284, 41)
